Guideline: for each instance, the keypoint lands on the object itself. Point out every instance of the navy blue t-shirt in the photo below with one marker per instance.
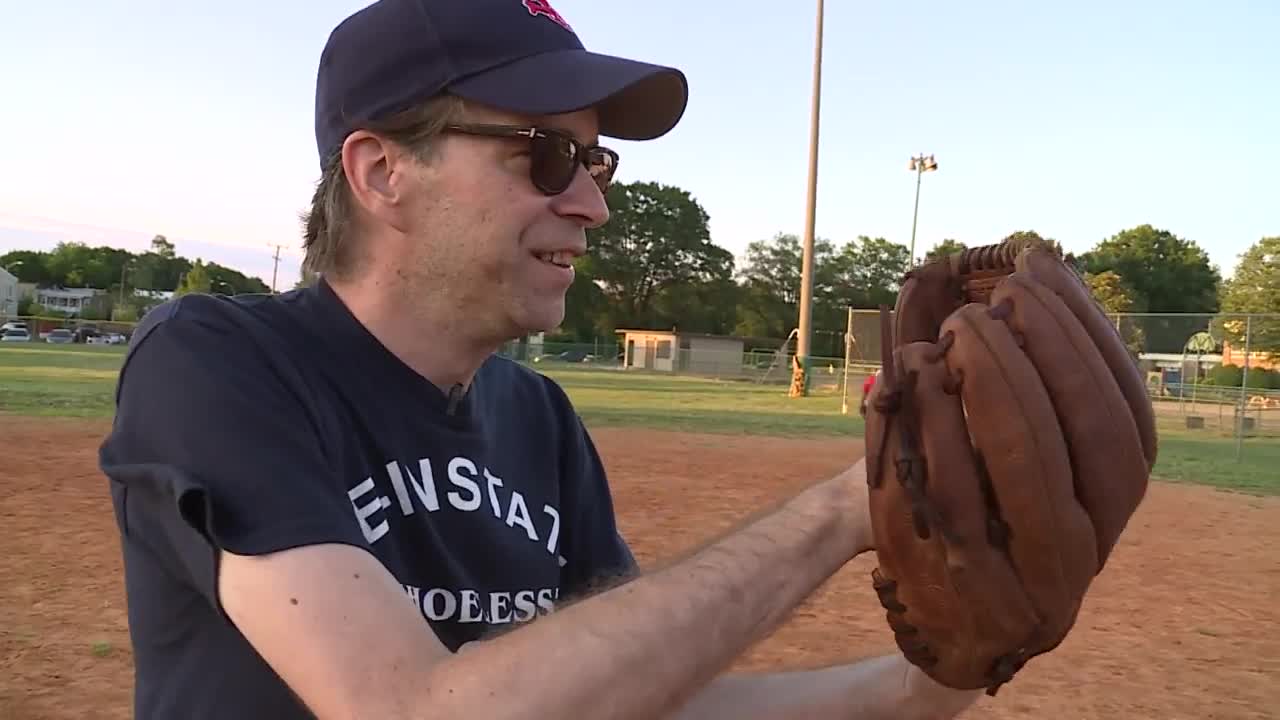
(261, 423)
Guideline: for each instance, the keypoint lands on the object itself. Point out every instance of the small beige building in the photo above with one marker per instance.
(675, 351)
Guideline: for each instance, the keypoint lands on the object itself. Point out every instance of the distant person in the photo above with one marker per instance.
(338, 502)
(867, 385)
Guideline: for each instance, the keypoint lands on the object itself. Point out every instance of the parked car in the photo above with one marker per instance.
(16, 335)
(107, 339)
(59, 335)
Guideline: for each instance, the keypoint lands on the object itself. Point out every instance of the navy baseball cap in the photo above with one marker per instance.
(520, 56)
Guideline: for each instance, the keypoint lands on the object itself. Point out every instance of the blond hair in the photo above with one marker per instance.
(328, 224)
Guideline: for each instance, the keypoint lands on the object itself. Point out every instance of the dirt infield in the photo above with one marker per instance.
(1183, 623)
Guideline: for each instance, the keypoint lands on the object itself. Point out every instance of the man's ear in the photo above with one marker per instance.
(374, 169)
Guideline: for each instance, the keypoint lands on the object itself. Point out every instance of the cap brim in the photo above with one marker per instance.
(634, 100)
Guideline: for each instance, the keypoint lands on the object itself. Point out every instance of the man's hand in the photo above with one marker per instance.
(640, 650)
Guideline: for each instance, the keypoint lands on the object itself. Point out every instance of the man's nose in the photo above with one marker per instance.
(583, 201)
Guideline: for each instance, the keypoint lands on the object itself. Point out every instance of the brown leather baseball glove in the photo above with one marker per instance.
(1009, 440)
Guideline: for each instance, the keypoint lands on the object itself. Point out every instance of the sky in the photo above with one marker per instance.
(123, 120)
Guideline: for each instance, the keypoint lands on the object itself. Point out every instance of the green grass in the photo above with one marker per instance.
(610, 398)
(44, 380)
(1210, 460)
(64, 380)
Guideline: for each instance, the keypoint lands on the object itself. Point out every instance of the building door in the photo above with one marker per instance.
(663, 355)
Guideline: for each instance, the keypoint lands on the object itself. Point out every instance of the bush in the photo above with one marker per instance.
(1225, 375)
(1231, 375)
(1264, 379)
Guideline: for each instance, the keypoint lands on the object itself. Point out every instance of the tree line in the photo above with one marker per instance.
(654, 266)
(129, 278)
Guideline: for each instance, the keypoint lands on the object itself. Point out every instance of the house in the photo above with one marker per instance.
(10, 293)
(72, 301)
(675, 351)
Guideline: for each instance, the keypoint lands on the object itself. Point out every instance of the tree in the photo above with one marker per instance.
(657, 239)
(233, 282)
(161, 247)
(704, 306)
(943, 249)
(1035, 237)
(1254, 288)
(195, 280)
(1112, 292)
(586, 314)
(769, 301)
(861, 273)
(28, 266)
(777, 264)
(1118, 298)
(75, 264)
(1169, 273)
(870, 272)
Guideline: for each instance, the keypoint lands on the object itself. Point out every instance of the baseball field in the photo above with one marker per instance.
(1183, 622)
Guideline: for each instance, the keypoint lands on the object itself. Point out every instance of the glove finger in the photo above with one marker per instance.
(1051, 273)
(1101, 433)
(925, 300)
(1015, 429)
(954, 584)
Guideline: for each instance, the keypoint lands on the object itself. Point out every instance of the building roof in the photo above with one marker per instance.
(678, 333)
(69, 292)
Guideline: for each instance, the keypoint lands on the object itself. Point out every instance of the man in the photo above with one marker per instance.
(338, 503)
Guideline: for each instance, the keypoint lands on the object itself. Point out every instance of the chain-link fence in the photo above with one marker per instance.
(1209, 373)
(1216, 374)
(731, 359)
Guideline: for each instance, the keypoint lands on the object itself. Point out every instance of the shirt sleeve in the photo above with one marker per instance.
(596, 554)
(217, 445)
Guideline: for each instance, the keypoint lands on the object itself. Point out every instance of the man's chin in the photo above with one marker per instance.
(540, 317)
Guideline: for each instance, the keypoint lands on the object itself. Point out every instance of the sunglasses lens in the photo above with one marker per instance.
(602, 165)
(554, 162)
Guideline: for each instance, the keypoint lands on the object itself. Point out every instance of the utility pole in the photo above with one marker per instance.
(800, 370)
(920, 164)
(274, 269)
(848, 355)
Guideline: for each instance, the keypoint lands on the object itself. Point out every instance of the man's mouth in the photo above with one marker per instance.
(559, 259)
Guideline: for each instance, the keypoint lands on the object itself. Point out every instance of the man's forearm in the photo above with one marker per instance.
(642, 649)
(874, 689)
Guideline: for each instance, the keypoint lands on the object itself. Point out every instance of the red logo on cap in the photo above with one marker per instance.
(543, 8)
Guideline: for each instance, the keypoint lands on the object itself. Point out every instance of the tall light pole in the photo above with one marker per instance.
(921, 164)
(800, 371)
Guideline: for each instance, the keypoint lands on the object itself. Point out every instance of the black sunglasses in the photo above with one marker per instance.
(555, 155)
